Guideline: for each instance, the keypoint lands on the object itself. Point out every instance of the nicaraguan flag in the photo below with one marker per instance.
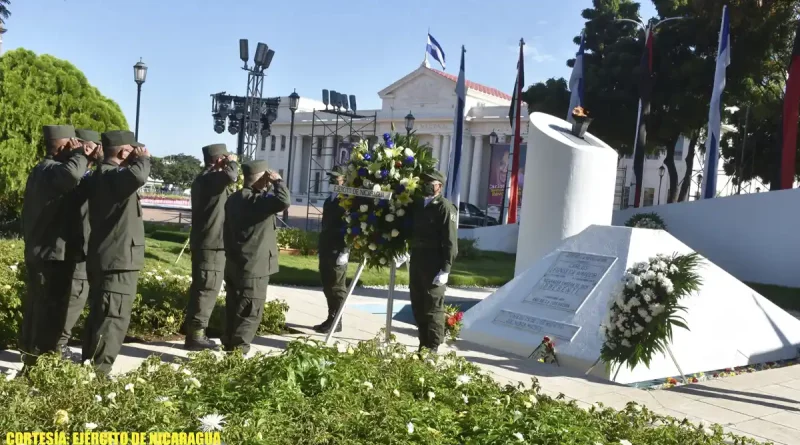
(576, 83)
(709, 186)
(453, 190)
(435, 50)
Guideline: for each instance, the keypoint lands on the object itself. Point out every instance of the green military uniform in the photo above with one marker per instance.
(78, 220)
(333, 256)
(116, 251)
(209, 193)
(251, 253)
(51, 249)
(434, 246)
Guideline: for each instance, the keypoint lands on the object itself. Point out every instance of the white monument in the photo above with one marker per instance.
(729, 323)
(569, 186)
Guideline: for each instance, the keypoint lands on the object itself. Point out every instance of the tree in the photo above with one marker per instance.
(179, 170)
(36, 91)
(4, 12)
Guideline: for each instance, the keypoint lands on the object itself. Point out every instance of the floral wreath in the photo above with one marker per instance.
(377, 229)
(646, 221)
(641, 316)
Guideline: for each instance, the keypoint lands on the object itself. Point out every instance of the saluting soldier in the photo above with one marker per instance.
(51, 249)
(116, 245)
(78, 220)
(251, 251)
(434, 246)
(210, 190)
(333, 253)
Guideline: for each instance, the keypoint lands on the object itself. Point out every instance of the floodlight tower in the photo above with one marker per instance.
(250, 124)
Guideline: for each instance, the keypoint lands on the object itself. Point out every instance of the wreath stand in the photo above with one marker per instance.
(671, 356)
(389, 301)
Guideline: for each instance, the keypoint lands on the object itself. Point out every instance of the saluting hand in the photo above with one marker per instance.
(274, 176)
(73, 143)
(231, 158)
(89, 148)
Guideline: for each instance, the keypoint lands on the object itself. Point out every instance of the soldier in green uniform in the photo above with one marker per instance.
(210, 190)
(251, 251)
(78, 220)
(434, 246)
(51, 248)
(116, 245)
(333, 254)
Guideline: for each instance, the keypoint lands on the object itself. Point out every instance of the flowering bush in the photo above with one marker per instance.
(453, 324)
(311, 394)
(377, 229)
(646, 221)
(640, 320)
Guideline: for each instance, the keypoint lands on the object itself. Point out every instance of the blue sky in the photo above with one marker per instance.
(354, 46)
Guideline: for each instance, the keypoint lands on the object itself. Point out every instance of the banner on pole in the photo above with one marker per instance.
(363, 193)
(499, 169)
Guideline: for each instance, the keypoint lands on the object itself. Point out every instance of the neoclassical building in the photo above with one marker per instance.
(426, 93)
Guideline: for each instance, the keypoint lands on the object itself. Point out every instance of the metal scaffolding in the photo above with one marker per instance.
(333, 133)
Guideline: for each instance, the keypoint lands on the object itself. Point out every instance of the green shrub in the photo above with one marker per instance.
(649, 220)
(304, 242)
(468, 248)
(311, 394)
(12, 286)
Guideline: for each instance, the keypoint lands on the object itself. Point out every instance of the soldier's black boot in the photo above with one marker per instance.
(324, 326)
(197, 341)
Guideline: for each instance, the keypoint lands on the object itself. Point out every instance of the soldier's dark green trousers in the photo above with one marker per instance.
(77, 301)
(427, 300)
(207, 275)
(244, 307)
(334, 281)
(111, 295)
(48, 289)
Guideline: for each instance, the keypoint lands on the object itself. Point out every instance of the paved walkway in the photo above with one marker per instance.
(763, 405)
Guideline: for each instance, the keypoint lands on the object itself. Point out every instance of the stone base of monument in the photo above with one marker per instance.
(730, 325)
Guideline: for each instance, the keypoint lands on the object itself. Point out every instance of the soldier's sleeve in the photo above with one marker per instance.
(126, 182)
(226, 177)
(272, 205)
(84, 187)
(449, 237)
(65, 176)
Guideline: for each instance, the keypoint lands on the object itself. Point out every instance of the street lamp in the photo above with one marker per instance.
(409, 123)
(139, 76)
(660, 178)
(492, 138)
(294, 103)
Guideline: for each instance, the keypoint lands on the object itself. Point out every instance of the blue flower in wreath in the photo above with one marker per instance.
(409, 159)
(372, 218)
(384, 173)
(363, 171)
(367, 157)
(383, 203)
(389, 143)
(400, 188)
(354, 216)
(355, 230)
(381, 240)
(387, 136)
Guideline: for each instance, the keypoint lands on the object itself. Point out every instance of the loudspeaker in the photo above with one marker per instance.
(353, 103)
(244, 53)
(325, 98)
(344, 102)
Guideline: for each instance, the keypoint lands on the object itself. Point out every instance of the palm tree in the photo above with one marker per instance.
(4, 12)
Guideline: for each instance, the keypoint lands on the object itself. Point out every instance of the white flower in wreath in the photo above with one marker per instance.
(656, 309)
(367, 183)
(382, 260)
(376, 188)
(668, 287)
(627, 333)
(647, 295)
(642, 313)
(662, 265)
(673, 268)
(404, 181)
(389, 217)
(377, 174)
(363, 208)
(611, 345)
(648, 319)
(363, 226)
(373, 247)
(642, 266)
(649, 276)
(347, 219)
(634, 302)
(401, 212)
(395, 233)
(625, 343)
(408, 152)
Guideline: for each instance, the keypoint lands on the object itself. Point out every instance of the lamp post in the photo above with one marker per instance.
(139, 76)
(409, 123)
(699, 185)
(294, 103)
(660, 178)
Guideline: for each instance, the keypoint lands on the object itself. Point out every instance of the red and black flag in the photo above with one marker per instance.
(791, 107)
(645, 93)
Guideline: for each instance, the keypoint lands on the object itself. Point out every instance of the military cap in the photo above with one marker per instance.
(434, 176)
(254, 167)
(215, 150)
(116, 138)
(336, 171)
(88, 135)
(58, 131)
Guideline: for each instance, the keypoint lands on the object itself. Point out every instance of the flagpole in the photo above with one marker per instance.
(427, 37)
(513, 205)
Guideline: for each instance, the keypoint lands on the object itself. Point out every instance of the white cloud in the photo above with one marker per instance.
(533, 53)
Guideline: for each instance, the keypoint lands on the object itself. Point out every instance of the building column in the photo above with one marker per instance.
(475, 178)
(436, 152)
(445, 161)
(297, 164)
(328, 153)
(466, 164)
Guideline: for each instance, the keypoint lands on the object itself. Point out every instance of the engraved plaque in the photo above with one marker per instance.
(536, 325)
(570, 280)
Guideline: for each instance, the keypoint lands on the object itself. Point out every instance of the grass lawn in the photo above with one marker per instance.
(786, 297)
(487, 269)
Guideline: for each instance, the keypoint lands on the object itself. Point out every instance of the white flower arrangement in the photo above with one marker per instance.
(641, 314)
(646, 221)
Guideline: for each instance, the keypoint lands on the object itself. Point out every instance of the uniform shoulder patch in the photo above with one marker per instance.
(452, 217)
